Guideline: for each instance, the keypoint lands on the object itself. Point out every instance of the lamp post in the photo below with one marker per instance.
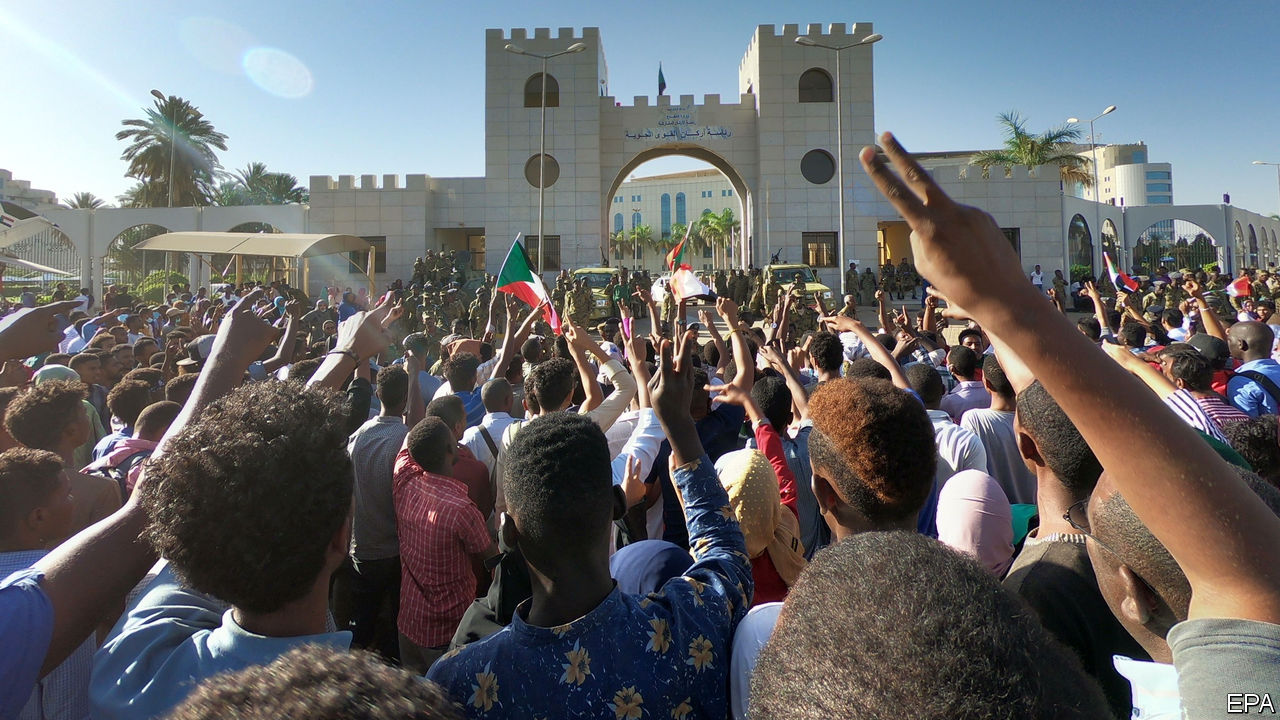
(173, 147)
(1275, 164)
(542, 138)
(1097, 191)
(635, 243)
(810, 42)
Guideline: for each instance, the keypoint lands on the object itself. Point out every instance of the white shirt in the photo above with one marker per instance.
(1037, 278)
(958, 448)
(1004, 461)
(1155, 688)
(496, 424)
(748, 640)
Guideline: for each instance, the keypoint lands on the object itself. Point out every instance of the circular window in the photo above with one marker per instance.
(551, 171)
(817, 166)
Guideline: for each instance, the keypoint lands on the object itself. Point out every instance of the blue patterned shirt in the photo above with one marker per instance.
(662, 655)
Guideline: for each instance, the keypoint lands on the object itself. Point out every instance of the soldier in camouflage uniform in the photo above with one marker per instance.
(851, 278)
(908, 280)
(866, 287)
(756, 294)
(720, 284)
(804, 317)
(419, 272)
(451, 309)
(889, 278)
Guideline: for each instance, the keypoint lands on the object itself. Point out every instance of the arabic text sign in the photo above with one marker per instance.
(679, 122)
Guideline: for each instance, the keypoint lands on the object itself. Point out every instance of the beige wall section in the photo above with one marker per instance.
(895, 244)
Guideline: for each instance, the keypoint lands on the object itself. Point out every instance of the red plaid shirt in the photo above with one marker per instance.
(439, 529)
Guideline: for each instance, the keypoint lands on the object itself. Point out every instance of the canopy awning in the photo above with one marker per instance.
(297, 245)
(7, 258)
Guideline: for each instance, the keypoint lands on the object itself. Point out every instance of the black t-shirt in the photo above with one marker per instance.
(1055, 577)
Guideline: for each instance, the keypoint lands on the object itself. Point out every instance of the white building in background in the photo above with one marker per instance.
(20, 193)
(1126, 177)
(773, 148)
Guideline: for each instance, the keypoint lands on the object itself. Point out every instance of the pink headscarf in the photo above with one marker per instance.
(974, 517)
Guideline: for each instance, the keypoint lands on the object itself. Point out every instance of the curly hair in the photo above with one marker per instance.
(550, 382)
(827, 351)
(927, 383)
(1258, 441)
(1190, 366)
(318, 683)
(1061, 445)
(558, 482)
(179, 388)
(875, 443)
(866, 367)
(393, 386)
(127, 400)
(38, 417)
(862, 637)
(460, 371)
(246, 499)
(963, 362)
(27, 479)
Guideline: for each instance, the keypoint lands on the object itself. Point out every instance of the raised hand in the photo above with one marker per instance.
(728, 310)
(243, 335)
(1193, 289)
(956, 247)
(35, 331)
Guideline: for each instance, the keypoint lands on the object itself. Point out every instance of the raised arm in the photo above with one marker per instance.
(882, 310)
(1099, 308)
(360, 337)
(415, 407)
(798, 396)
(513, 340)
(1218, 530)
(284, 349)
(721, 349)
(578, 342)
(1208, 316)
(839, 324)
(94, 570)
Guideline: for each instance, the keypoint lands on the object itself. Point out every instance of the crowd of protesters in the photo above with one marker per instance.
(246, 504)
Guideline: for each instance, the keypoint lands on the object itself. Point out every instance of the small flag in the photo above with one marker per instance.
(662, 81)
(1119, 278)
(518, 278)
(676, 255)
(685, 284)
(1240, 287)
(7, 220)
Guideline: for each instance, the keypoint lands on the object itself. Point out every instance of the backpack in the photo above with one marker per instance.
(1267, 384)
(120, 471)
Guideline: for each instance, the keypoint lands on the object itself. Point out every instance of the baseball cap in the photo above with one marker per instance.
(198, 351)
(1211, 347)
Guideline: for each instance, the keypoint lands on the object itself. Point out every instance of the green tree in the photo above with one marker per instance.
(255, 185)
(151, 149)
(85, 201)
(642, 234)
(1052, 147)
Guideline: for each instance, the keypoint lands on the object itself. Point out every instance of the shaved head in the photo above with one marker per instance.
(1250, 340)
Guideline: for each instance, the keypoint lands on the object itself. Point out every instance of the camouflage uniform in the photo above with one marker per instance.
(851, 280)
(889, 279)
(757, 294)
(867, 287)
(908, 280)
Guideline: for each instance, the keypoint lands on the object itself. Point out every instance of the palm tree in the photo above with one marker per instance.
(642, 234)
(283, 189)
(150, 149)
(1052, 147)
(85, 201)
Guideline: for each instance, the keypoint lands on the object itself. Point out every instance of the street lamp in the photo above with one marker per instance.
(635, 243)
(173, 147)
(1097, 191)
(1276, 164)
(810, 42)
(542, 139)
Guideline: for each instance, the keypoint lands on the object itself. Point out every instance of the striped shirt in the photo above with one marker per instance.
(1219, 410)
(1185, 406)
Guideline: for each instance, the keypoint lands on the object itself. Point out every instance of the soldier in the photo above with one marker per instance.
(558, 294)
(851, 278)
(907, 279)
(720, 284)
(804, 317)
(419, 271)
(889, 278)
(866, 287)
(1155, 297)
(770, 292)
(452, 308)
(756, 293)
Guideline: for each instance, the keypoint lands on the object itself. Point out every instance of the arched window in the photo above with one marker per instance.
(666, 216)
(635, 219)
(1080, 241)
(533, 91)
(815, 86)
(617, 222)
(680, 216)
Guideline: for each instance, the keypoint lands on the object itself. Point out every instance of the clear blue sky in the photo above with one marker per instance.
(398, 86)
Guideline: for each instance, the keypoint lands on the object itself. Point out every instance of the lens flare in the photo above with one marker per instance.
(214, 43)
(277, 72)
